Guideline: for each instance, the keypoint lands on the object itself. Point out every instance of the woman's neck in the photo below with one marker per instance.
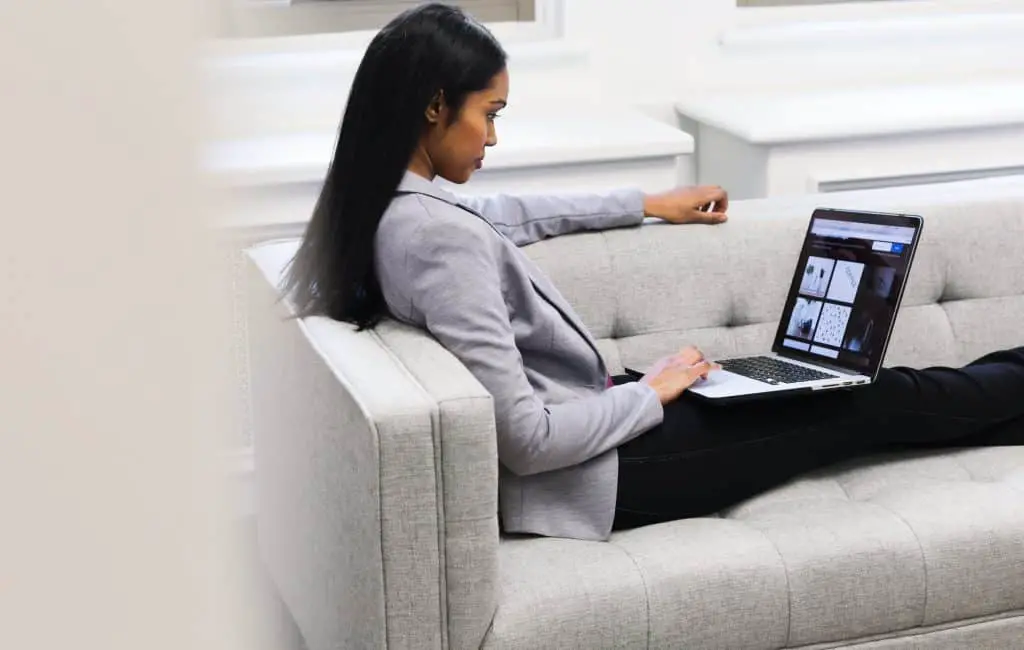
(420, 164)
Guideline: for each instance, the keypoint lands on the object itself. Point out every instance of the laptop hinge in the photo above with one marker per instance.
(822, 364)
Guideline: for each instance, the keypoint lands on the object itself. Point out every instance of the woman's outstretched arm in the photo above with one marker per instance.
(530, 218)
(527, 218)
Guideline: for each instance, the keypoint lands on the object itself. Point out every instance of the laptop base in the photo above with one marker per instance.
(784, 394)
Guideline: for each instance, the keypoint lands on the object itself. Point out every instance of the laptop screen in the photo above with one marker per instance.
(849, 282)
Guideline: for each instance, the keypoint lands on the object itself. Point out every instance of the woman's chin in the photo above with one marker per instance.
(459, 178)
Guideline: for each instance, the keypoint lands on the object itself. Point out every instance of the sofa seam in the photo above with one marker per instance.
(668, 330)
(789, 588)
(617, 314)
(845, 491)
(442, 530)
(435, 416)
(647, 591)
(443, 520)
(922, 631)
(924, 559)
(701, 328)
(960, 463)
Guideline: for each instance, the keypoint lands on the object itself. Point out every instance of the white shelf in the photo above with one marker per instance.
(982, 27)
(842, 114)
(526, 140)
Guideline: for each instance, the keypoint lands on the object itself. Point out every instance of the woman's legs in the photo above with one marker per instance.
(704, 458)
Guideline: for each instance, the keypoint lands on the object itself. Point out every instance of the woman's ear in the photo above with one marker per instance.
(436, 109)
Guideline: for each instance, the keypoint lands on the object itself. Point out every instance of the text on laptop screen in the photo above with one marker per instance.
(843, 301)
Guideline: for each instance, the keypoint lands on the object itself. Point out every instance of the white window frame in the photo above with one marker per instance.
(869, 11)
(872, 24)
(547, 25)
(297, 17)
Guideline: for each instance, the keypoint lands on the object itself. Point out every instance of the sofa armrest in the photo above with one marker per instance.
(376, 480)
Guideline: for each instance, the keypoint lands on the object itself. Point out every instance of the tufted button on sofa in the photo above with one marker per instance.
(377, 469)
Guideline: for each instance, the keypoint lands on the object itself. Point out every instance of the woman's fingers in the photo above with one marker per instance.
(717, 195)
(676, 376)
(703, 368)
(692, 354)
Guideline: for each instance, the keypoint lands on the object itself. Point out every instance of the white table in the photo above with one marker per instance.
(760, 145)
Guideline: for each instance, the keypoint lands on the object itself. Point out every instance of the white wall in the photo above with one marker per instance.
(644, 52)
(652, 52)
(111, 343)
(649, 53)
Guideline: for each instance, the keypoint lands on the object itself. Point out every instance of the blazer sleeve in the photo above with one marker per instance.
(527, 219)
(454, 282)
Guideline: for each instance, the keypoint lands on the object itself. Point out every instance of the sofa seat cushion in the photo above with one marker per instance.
(864, 549)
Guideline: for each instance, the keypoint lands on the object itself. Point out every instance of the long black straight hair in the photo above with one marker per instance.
(425, 51)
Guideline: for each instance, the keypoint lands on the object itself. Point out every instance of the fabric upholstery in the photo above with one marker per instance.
(874, 547)
(300, 409)
(723, 287)
(992, 633)
(921, 550)
(359, 525)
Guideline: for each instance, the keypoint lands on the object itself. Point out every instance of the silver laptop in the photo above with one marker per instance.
(838, 317)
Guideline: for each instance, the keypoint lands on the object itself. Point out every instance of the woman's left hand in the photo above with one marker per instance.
(687, 357)
(686, 205)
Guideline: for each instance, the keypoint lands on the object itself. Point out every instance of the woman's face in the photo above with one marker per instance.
(455, 144)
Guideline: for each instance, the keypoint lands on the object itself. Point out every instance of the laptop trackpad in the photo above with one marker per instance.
(723, 383)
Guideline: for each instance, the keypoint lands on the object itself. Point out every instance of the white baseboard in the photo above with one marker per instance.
(904, 180)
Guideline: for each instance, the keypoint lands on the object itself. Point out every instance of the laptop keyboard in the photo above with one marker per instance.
(773, 371)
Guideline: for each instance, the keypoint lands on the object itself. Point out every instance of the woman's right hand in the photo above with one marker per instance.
(670, 376)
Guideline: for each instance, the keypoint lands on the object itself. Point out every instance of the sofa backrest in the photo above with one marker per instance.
(646, 292)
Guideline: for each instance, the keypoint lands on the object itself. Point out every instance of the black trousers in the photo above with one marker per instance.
(704, 458)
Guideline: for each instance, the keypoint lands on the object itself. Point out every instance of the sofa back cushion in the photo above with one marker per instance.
(645, 292)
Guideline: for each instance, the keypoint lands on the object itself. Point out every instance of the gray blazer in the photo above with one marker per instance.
(452, 265)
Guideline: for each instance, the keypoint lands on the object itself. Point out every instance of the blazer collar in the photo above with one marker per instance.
(415, 183)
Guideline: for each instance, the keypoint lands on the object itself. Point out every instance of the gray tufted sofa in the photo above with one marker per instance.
(376, 467)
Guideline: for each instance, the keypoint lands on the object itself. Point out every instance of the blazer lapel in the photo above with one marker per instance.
(553, 298)
(413, 184)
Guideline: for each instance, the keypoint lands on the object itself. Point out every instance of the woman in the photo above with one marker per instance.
(580, 452)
